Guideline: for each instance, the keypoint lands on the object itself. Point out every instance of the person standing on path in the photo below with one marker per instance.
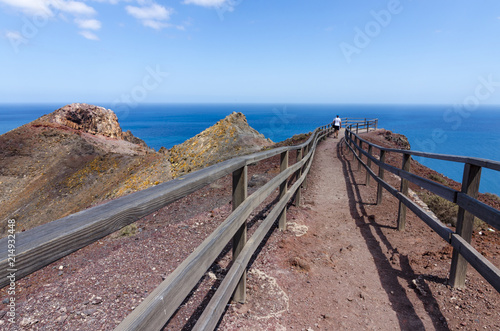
(337, 124)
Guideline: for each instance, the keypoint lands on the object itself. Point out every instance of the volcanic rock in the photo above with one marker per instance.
(230, 137)
(87, 118)
(69, 160)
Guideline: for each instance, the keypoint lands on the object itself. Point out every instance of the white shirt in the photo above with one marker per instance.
(337, 121)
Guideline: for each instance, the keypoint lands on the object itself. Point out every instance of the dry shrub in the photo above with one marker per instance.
(493, 196)
(445, 210)
(126, 231)
(438, 178)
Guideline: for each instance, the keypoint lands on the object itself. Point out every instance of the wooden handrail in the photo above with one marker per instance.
(162, 303)
(484, 163)
(469, 206)
(47, 243)
(212, 313)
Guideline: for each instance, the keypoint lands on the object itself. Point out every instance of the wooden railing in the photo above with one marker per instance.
(47, 243)
(357, 124)
(466, 199)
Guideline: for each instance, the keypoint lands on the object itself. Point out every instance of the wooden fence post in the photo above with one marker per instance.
(283, 189)
(351, 143)
(360, 154)
(380, 188)
(404, 190)
(368, 164)
(353, 140)
(240, 181)
(299, 173)
(306, 151)
(357, 128)
(465, 223)
(376, 124)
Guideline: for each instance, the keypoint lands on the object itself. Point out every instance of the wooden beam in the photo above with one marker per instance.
(360, 154)
(439, 189)
(479, 262)
(49, 242)
(368, 164)
(436, 225)
(486, 213)
(298, 195)
(381, 176)
(404, 191)
(306, 152)
(465, 223)
(240, 192)
(283, 189)
(214, 310)
(484, 163)
(162, 303)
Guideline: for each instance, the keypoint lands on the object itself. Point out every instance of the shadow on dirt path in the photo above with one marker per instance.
(394, 281)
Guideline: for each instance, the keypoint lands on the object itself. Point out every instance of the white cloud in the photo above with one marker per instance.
(46, 7)
(206, 3)
(88, 24)
(157, 25)
(89, 35)
(74, 7)
(59, 9)
(113, 2)
(153, 16)
(153, 12)
(29, 6)
(13, 35)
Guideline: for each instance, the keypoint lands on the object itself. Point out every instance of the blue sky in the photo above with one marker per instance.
(250, 51)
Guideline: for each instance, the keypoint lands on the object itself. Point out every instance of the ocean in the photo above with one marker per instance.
(438, 129)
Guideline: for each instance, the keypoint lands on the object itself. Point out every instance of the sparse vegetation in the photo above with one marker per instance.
(127, 231)
(445, 210)
(438, 178)
(493, 196)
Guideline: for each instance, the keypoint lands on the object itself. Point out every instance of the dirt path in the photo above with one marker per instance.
(334, 277)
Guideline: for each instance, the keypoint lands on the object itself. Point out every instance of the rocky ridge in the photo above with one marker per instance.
(230, 137)
(94, 120)
(78, 156)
